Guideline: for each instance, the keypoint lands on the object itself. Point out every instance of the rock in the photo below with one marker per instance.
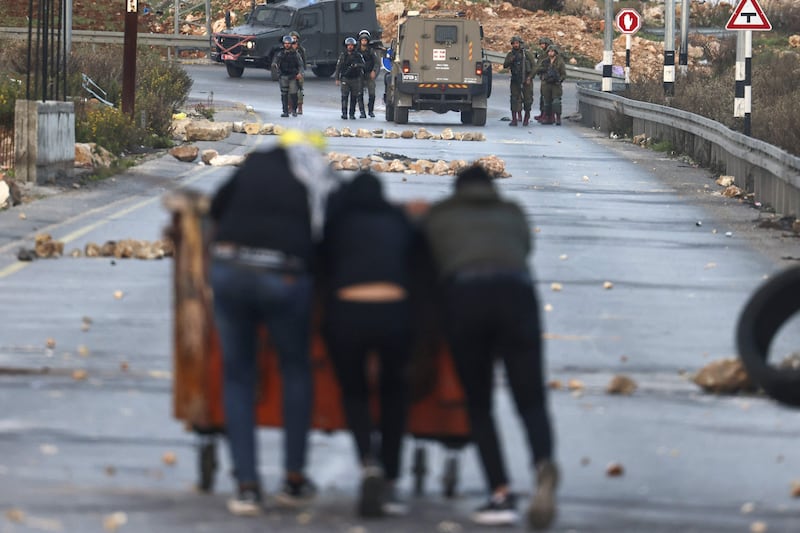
(207, 155)
(423, 133)
(347, 132)
(351, 163)
(227, 160)
(440, 168)
(397, 166)
(391, 135)
(493, 165)
(447, 134)
(794, 41)
(186, 153)
(330, 131)
(179, 128)
(615, 469)
(5, 194)
(91, 250)
(407, 134)
(206, 130)
(620, 384)
(363, 133)
(724, 376)
(725, 181)
(732, 191)
(252, 128)
(267, 129)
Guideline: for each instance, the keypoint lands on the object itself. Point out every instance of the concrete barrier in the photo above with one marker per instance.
(44, 140)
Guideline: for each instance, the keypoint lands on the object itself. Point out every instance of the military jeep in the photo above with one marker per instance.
(439, 64)
(322, 24)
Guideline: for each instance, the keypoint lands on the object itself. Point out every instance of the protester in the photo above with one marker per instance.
(267, 218)
(366, 258)
(480, 245)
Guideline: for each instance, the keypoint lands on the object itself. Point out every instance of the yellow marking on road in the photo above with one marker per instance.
(12, 269)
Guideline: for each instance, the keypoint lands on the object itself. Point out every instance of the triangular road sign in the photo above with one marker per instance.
(748, 15)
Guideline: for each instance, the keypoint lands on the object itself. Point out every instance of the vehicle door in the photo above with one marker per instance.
(440, 52)
(310, 24)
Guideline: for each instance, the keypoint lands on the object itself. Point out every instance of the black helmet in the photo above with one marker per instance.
(545, 40)
(349, 41)
(364, 34)
(516, 39)
(287, 39)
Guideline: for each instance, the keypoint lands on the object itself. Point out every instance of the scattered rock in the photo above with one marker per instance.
(724, 376)
(621, 384)
(185, 152)
(725, 181)
(615, 469)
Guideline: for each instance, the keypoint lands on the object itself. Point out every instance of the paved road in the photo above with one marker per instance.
(73, 452)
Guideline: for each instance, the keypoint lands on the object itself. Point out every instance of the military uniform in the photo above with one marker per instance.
(371, 67)
(522, 64)
(541, 65)
(552, 78)
(302, 51)
(290, 68)
(349, 76)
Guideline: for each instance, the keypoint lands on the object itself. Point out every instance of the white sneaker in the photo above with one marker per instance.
(246, 503)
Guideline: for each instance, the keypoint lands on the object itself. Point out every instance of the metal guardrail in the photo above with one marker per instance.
(117, 37)
(575, 73)
(772, 174)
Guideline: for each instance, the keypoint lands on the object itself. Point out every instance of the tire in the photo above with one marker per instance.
(768, 308)
(487, 74)
(234, 71)
(401, 115)
(389, 113)
(466, 116)
(323, 71)
(478, 117)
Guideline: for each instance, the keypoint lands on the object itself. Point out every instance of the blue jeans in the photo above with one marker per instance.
(244, 298)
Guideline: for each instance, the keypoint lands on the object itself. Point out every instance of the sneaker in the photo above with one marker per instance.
(247, 502)
(371, 114)
(362, 115)
(284, 114)
(296, 494)
(294, 113)
(344, 117)
(498, 511)
(542, 510)
(352, 117)
(392, 504)
(370, 502)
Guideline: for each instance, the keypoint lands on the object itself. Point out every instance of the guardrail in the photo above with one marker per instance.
(196, 42)
(575, 73)
(772, 174)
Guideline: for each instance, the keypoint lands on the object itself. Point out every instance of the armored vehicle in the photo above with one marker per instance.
(322, 24)
(439, 64)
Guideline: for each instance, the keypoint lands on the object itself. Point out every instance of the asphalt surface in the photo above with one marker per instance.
(75, 451)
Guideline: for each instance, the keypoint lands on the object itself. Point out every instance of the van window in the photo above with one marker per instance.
(446, 34)
(308, 20)
(349, 7)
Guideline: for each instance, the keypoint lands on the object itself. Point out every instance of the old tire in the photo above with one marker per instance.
(478, 117)
(401, 115)
(234, 71)
(323, 71)
(762, 317)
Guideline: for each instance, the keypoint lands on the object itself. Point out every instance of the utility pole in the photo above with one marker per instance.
(669, 48)
(683, 56)
(129, 57)
(608, 44)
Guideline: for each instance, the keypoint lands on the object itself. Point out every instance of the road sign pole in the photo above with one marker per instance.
(683, 56)
(669, 48)
(738, 100)
(129, 58)
(627, 60)
(748, 79)
(608, 51)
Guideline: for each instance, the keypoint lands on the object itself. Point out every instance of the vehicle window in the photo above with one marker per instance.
(308, 20)
(445, 34)
(348, 7)
(273, 17)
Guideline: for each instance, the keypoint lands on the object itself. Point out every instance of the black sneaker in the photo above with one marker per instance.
(352, 117)
(284, 114)
(371, 114)
(247, 502)
(370, 504)
(296, 494)
(498, 511)
(362, 115)
(344, 117)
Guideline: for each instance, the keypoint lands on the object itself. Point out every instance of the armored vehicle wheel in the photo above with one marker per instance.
(487, 79)
(389, 112)
(323, 71)
(234, 71)
(466, 116)
(478, 117)
(401, 115)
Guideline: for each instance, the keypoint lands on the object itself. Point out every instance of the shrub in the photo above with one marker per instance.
(107, 126)
(161, 89)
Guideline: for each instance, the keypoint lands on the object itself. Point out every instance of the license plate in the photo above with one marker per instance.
(228, 57)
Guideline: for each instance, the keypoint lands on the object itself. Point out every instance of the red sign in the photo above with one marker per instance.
(628, 20)
(748, 15)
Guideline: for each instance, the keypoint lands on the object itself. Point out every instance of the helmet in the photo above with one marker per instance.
(294, 34)
(287, 39)
(350, 40)
(554, 48)
(516, 39)
(545, 40)
(364, 34)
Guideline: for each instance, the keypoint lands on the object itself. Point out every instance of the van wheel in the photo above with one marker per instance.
(234, 71)
(466, 116)
(479, 117)
(323, 71)
(389, 112)
(401, 115)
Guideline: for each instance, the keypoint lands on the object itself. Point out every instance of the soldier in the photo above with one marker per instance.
(521, 63)
(349, 75)
(290, 66)
(302, 51)
(372, 64)
(552, 78)
(541, 58)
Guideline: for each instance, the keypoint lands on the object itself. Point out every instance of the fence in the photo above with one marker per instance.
(6, 144)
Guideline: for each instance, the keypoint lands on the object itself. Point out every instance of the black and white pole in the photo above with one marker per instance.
(669, 47)
(627, 60)
(743, 95)
(608, 52)
(683, 56)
